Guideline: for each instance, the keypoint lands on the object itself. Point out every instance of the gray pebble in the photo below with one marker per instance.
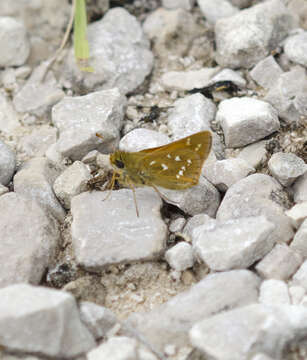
(273, 292)
(266, 72)
(299, 242)
(215, 10)
(7, 163)
(180, 257)
(300, 189)
(296, 48)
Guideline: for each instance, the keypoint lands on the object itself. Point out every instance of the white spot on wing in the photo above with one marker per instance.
(169, 156)
(188, 142)
(189, 161)
(183, 168)
(177, 158)
(180, 172)
(198, 146)
(164, 167)
(152, 162)
(177, 176)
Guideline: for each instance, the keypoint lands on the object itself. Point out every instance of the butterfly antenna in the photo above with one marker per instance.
(163, 197)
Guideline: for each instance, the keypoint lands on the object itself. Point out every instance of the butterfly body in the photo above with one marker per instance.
(176, 165)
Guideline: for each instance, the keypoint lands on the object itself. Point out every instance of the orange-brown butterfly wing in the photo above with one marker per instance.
(176, 165)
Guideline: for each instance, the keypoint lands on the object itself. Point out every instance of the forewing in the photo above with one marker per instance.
(176, 165)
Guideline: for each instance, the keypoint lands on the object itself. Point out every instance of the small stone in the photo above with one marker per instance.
(229, 75)
(140, 139)
(297, 214)
(215, 10)
(266, 72)
(246, 120)
(254, 154)
(178, 4)
(14, 42)
(272, 329)
(35, 180)
(280, 263)
(180, 257)
(9, 121)
(61, 334)
(233, 244)
(164, 28)
(30, 238)
(274, 292)
(283, 94)
(170, 322)
(296, 48)
(188, 80)
(254, 196)
(261, 356)
(120, 54)
(300, 189)
(299, 242)
(224, 173)
(177, 225)
(195, 221)
(40, 139)
(296, 293)
(108, 231)
(7, 163)
(242, 40)
(286, 167)
(201, 198)
(71, 182)
(190, 114)
(79, 118)
(37, 96)
(3, 189)
(98, 319)
(115, 348)
(300, 277)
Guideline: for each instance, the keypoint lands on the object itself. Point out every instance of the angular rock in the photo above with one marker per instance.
(8, 115)
(299, 242)
(190, 114)
(37, 96)
(169, 323)
(296, 293)
(300, 189)
(229, 75)
(37, 143)
(120, 54)
(98, 319)
(244, 39)
(260, 328)
(140, 139)
(35, 180)
(280, 263)
(285, 93)
(188, 80)
(195, 221)
(254, 154)
(233, 244)
(300, 277)
(266, 72)
(61, 334)
(79, 118)
(274, 292)
(71, 182)
(286, 167)
(255, 195)
(296, 48)
(246, 120)
(224, 173)
(115, 348)
(201, 198)
(297, 214)
(7, 163)
(29, 239)
(14, 42)
(108, 231)
(215, 10)
(180, 257)
(164, 28)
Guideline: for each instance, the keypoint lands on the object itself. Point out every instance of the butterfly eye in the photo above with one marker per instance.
(119, 164)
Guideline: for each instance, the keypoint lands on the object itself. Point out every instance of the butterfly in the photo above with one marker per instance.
(176, 165)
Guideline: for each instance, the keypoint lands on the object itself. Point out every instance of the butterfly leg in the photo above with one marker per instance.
(112, 182)
(163, 197)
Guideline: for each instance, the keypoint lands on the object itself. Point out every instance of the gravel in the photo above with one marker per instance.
(218, 270)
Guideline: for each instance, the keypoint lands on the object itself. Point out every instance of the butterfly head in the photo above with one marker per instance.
(117, 160)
